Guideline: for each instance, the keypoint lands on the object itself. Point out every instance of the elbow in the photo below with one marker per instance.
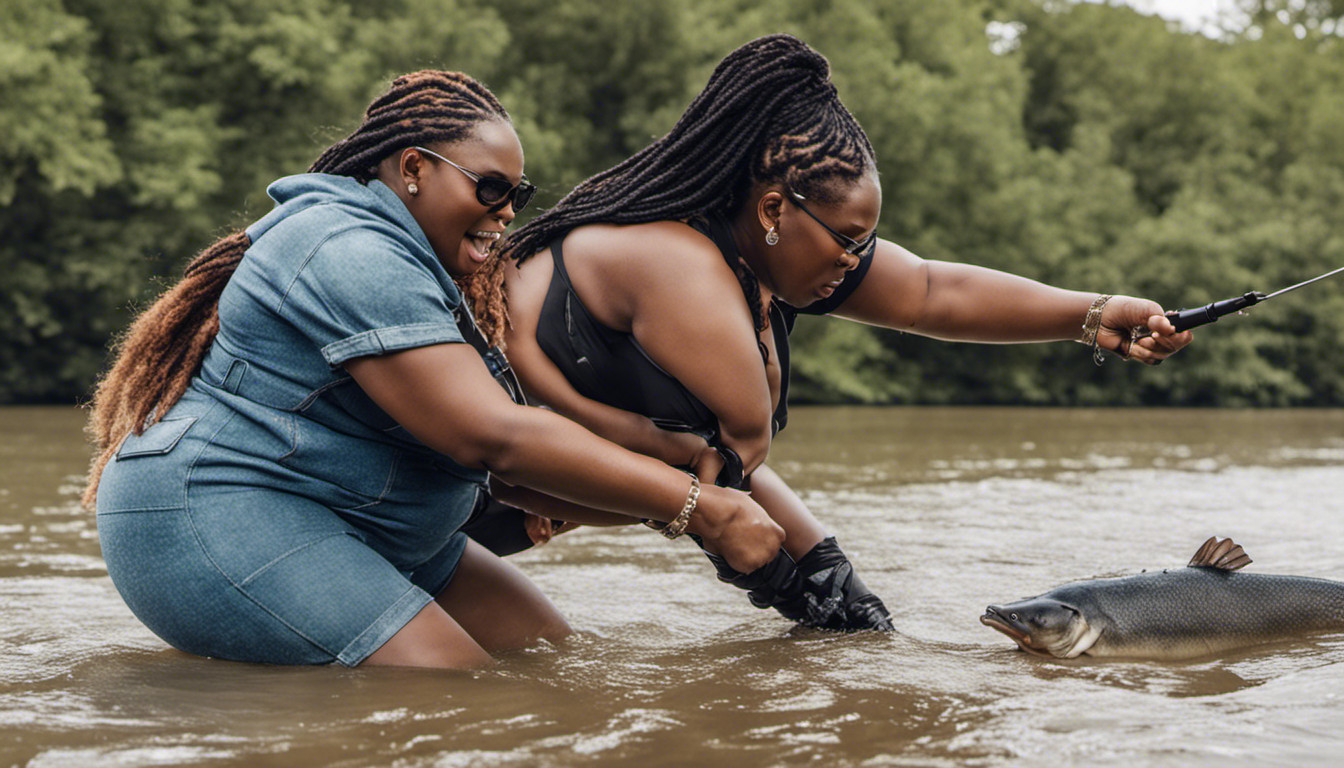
(501, 456)
(491, 443)
(751, 444)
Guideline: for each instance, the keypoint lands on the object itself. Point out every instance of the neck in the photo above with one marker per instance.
(742, 227)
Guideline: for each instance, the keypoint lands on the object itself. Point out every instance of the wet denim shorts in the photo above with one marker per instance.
(245, 566)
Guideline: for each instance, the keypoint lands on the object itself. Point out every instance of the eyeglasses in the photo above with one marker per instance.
(852, 247)
(493, 191)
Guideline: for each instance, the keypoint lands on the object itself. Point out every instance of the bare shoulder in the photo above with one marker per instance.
(526, 285)
(653, 244)
(615, 268)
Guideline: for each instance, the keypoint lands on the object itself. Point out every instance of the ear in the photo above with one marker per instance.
(410, 165)
(768, 208)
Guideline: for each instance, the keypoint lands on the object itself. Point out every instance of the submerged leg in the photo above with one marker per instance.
(499, 606)
(487, 607)
(431, 639)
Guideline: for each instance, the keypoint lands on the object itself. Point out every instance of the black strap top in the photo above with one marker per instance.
(611, 367)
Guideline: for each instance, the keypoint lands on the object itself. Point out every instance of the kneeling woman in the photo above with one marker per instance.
(293, 435)
(660, 293)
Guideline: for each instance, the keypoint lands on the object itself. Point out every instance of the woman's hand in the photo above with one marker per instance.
(735, 526)
(707, 464)
(1138, 329)
(542, 529)
(678, 448)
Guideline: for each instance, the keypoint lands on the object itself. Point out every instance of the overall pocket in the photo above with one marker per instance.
(146, 472)
(157, 440)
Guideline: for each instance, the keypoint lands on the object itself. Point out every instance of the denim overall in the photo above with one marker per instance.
(275, 513)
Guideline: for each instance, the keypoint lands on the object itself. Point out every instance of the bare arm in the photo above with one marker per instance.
(545, 383)
(669, 287)
(550, 507)
(473, 421)
(963, 302)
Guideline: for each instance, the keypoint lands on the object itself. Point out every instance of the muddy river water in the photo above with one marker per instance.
(942, 510)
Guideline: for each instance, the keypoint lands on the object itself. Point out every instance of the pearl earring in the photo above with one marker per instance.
(413, 189)
(771, 236)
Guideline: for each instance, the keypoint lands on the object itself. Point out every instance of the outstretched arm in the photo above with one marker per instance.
(963, 302)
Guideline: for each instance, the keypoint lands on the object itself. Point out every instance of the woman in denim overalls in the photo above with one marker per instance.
(293, 436)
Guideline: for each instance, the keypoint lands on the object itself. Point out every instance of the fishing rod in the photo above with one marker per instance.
(1186, 319)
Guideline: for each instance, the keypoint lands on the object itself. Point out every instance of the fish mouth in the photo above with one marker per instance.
(994, 617)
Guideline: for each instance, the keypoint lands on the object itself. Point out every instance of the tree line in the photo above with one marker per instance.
(1083, 145)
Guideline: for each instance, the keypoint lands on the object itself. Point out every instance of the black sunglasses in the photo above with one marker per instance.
(852, 247)
(492, 191)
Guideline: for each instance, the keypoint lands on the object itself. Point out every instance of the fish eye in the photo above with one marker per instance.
(1013, 616)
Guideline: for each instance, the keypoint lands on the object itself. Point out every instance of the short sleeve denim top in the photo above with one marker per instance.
(337, 270)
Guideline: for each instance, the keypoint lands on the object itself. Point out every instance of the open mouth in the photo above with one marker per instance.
(481, 242)
(993, 618)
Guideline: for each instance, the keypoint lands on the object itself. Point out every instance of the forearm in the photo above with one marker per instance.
(970, 303)
(545, 384)
(961, 302)
(802, 530)
(548, 506)
(632, 431)
(542, 450)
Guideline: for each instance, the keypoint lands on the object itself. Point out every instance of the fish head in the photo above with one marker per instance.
(1044, 626)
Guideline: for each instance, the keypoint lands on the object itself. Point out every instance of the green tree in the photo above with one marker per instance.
(56, 294)
(1080, 144)
(139, 133)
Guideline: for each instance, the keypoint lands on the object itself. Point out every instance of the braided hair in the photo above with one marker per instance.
(165, 345)
(769, 114)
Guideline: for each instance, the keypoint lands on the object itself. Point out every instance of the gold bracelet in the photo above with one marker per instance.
(683, 519)
(1092, 324)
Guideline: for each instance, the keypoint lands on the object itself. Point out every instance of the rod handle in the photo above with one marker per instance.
(1186, 319)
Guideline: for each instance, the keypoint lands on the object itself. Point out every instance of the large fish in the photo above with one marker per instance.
(1180, 613)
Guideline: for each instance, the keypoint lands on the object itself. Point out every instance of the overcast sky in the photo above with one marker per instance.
(1193, 13)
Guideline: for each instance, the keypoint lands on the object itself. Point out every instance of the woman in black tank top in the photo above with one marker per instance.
(658, 307)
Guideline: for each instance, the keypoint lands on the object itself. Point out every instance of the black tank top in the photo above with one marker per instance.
(610, 366)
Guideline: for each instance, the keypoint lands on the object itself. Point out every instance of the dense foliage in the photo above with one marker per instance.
(1083, 145)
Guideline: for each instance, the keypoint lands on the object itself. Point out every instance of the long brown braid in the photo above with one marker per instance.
(164, 347)
(769, 113)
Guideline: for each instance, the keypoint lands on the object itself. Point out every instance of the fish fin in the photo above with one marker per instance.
(1203, 551)
(1225, 555)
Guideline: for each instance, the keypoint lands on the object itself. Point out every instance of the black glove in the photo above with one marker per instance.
(820, 590)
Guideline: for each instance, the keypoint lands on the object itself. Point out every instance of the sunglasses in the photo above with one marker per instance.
(492, 191)
(852, 247)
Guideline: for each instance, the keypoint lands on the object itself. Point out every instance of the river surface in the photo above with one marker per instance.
(943, 511)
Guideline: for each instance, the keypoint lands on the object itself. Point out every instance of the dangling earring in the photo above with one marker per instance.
(413, 189)
(771, 236)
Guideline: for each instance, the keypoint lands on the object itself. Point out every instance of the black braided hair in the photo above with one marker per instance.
(769, 113)
(419, 108)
